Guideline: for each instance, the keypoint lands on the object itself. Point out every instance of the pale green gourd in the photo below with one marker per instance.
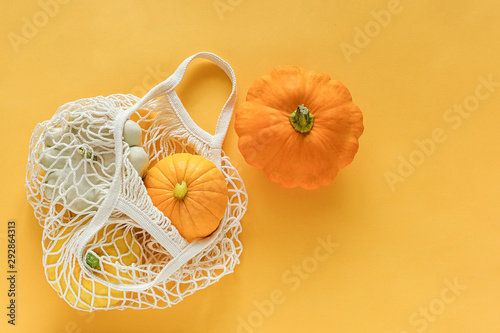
(83, 191)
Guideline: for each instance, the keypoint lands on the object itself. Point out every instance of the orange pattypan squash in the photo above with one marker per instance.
(190, 191)
(300, 127)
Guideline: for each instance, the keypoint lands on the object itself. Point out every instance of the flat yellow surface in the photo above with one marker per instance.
(405, 240)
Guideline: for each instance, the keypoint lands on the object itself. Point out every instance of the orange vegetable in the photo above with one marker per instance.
(300, 127)
(190, 191)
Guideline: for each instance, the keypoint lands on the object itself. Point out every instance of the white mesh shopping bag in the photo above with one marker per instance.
(105, 246)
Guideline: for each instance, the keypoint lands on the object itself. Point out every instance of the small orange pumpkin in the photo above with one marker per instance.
(300, 127)
(190, 191)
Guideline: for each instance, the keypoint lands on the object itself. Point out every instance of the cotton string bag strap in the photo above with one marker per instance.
(113, 198)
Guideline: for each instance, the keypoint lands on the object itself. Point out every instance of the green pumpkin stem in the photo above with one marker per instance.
(180, 190)
(301, 119)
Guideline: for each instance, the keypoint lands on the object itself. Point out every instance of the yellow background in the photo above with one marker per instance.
(398, 247)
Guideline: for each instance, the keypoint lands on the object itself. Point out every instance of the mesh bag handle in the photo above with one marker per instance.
(113, 199)
(167, 88)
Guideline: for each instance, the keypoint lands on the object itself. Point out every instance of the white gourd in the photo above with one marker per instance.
(139, 159)
(132, 133)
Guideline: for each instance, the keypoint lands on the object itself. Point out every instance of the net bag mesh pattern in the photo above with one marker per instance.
(92, 203)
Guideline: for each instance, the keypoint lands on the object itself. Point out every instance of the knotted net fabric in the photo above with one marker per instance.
(92, 203)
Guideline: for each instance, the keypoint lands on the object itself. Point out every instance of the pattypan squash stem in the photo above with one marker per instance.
(92, 260)
(301, 119)
(180, 190)
(88, 154)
